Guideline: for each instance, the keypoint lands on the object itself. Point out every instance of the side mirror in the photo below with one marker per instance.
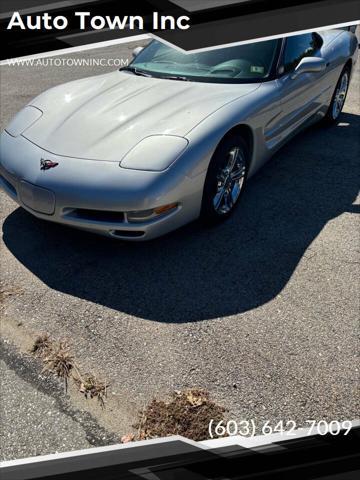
(310, 65)
(136, 51)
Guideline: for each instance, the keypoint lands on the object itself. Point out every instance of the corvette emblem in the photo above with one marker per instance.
(47, 164)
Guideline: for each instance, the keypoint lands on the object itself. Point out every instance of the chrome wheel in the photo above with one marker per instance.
(230, 181)
(340, 96)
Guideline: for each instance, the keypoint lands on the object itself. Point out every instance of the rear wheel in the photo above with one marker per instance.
(225, 180)
(339, 97)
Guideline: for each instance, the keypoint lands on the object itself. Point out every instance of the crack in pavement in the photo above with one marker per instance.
(30, 370)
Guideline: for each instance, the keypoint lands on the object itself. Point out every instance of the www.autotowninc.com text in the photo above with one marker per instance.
(68, 62)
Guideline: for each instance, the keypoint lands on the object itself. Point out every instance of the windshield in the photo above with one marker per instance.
(250, 62)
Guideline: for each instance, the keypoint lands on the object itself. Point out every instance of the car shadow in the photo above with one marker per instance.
(195, 273)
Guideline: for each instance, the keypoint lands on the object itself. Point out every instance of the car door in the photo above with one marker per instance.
(300, 96)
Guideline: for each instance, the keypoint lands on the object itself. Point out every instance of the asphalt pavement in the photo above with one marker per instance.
(37, 416)
(261, 311)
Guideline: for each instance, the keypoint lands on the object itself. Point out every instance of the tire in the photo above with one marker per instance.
(339, 98)
(225, 179)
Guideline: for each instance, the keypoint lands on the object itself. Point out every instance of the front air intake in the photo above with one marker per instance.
(103, 216)
(128, 233)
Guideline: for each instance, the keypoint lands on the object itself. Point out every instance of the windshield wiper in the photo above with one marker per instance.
(142, 73)
(136, 71)
(176, 77)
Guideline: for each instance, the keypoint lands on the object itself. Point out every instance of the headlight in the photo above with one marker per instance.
(23, 120)
(155, 153)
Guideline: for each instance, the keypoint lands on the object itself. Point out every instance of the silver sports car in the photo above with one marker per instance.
(136, 153)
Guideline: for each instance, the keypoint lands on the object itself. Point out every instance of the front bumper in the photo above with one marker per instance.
(75, 186)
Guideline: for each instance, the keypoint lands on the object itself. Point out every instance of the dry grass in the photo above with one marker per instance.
(91, 387)
(41, 345)
(56, 356)
(188, 413)
(58, 359)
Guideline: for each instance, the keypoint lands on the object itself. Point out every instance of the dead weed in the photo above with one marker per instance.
(188, 414)
(58, 359)
(41, 345)
(91, 387)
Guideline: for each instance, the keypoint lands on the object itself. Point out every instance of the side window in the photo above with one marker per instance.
(298, 47)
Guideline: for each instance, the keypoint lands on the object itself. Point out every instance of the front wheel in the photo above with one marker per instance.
(339, 97)
(225, 180)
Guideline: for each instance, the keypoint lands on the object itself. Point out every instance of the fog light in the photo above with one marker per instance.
(146, 215)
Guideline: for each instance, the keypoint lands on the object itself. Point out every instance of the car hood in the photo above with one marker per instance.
(103, 117)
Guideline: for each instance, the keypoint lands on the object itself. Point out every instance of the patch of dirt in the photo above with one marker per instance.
(187, 413)
(8, 291)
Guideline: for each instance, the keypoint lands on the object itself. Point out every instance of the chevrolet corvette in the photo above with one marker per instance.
(173, 137)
